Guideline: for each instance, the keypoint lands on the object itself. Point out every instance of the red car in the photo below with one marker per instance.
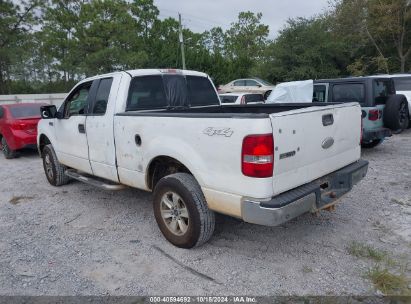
(18, 127)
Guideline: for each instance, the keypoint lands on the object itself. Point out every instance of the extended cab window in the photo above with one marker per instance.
(382, 90)
(103, 93)
(76, 104)
(349, 92)
(1, 112)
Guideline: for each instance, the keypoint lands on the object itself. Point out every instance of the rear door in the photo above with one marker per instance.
(312, 142)
(99, 127)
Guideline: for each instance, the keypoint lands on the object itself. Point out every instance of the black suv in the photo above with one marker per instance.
(383, 110)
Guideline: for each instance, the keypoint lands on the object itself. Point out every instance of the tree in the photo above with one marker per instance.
(381, 25)
(304, 49)
(16, 20)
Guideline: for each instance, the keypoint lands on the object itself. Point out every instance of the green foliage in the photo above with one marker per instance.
(46, 46)
(360, 250)
(388, 282)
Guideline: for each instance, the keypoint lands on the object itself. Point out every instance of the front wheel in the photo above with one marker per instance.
(181, 211)
(8, 153)
(55, 172)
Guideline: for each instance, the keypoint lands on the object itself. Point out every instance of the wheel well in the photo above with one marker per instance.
(162, 166)
(44, 141)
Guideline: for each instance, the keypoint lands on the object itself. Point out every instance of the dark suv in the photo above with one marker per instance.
(382, 108)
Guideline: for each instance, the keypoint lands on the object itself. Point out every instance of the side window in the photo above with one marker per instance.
(76, 103)
(382, 89)
(251, 83)
(349, 92)
(102, 95)
(1, 112)
(146, 92)
(239, 83)
(319, 93)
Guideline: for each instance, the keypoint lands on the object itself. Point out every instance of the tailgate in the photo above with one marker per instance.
(312, 142)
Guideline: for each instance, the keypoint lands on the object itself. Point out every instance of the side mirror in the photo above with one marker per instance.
(259, 85)
(48, 112)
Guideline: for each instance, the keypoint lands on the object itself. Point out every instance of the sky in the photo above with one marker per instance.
(201, 15)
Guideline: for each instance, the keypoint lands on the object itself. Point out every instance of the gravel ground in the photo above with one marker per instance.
(79, 240)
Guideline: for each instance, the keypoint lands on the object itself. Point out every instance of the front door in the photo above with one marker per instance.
(71, 145)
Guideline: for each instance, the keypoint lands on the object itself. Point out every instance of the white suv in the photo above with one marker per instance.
(249, 85)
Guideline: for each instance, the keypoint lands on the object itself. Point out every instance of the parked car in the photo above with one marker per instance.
(251, 85)
(241, 98)
(165, 131)
(383, 110)
(18, 127)
(402, 84)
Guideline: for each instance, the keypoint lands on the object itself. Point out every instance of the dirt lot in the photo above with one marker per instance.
(80, 240)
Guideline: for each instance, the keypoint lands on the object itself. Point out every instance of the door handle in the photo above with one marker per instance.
(81, 128)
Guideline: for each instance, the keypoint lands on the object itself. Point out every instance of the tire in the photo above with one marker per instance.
(8, 153)
(396, 115)
(372, 143)
(266, 94)
(181, 211)
(52, 168)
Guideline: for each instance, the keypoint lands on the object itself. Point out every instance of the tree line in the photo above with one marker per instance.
(46, 46)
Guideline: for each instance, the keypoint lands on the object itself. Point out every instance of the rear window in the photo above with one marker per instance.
(402, 83)
(228, 99)
(158, 91)
(349, 92)
(25, 111)
(254, 98)
(382, 89)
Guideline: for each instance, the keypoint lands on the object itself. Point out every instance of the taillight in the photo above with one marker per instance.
(373, 115)
(257, 156)
(242, 100)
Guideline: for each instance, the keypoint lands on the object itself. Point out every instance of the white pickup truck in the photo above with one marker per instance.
(165, 131)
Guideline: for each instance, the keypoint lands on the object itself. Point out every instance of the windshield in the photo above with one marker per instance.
(170, 90)
(402, 83)
(26, 111)
(266, 83)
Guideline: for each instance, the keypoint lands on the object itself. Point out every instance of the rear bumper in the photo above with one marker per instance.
(379, 133)
(20, 139)
(311, 197)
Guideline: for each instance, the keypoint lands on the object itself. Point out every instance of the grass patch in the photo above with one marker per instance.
(17, 199)
(389, 283)
(365, 251)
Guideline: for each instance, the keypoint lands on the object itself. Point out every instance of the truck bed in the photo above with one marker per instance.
(240, 111)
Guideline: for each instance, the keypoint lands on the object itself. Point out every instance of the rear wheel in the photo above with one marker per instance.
(181, 211)
(372, 143)
(8, 153)
(55, 172)
(396, 115)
